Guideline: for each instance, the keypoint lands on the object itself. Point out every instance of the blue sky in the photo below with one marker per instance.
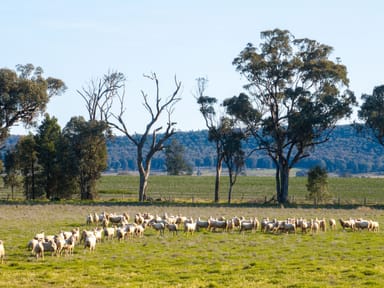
(81, 40)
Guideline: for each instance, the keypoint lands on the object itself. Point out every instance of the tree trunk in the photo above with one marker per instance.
(282, 193)
(232, 180)
(217, 180)
(278, 184)
(143, 185)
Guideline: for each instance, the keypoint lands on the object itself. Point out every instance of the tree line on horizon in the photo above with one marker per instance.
(345, 154)
(294, 97)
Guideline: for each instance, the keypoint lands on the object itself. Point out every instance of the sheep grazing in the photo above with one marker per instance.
(98, 232)
(40, 236)
(374, 226)
(189, 226)
(315, 226)
(109, 232)
(2, 252)
(201, 224)
(172, 227)
(38, 249)
(50, 246)
(361, 224)
(216, 224)
(60, 243)
(246, 225)
(130, 230)
(158, 226)
(117, 219)
(83, 236)
(332, 224)
(347, 224)
(90, 242)
(139, 219)
(89, 219)
(139, 231)
(120, 233)
(69, 246)
(322, 225)
(31, 244)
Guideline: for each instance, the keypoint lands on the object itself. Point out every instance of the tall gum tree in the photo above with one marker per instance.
(212, 122)
(24, 95)
(296, 96)
(372, 114)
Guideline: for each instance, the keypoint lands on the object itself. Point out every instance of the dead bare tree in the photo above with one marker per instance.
(99, 94)
(153, 139)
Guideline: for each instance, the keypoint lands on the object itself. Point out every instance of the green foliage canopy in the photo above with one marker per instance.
(372, 113)
(296, 98)
(24, 94)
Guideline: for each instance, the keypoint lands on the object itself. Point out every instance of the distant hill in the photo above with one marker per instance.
(345, 153)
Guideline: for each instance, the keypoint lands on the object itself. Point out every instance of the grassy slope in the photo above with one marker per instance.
(205, 259)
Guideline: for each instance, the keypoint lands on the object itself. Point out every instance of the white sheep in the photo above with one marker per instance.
(248, 225)
(69, 246)
(40, 236)
(374, 226)
(201, 224)
(31, 244)
(60, 243)
(89, 219)
(189, 226)
(315, 226)
(90, 242)
(120, 233)
(347, 224)
(332, 224)
(98, 232)
(109, 232)
(76, 234)
(38, 249)
(214, 224)
(130, 230)
(50, 246)
(172, 227)
(139, 230)
(2, 252)
(158, 226)
(361, 224)
(83, 236)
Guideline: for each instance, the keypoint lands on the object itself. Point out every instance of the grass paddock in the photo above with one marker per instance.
(204, 259)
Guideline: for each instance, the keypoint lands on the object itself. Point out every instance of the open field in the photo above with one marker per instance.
(248, 189)
(205, 259)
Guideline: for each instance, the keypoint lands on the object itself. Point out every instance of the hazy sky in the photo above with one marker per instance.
(80, 40)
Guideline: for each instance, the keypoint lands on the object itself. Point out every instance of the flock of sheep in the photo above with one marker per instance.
(118, 226)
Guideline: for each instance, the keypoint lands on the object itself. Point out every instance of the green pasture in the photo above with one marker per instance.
(204, 259)
(248, 189)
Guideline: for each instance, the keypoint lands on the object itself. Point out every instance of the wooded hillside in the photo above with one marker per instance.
(345, 153)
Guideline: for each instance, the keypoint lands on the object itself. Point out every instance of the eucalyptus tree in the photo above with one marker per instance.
(175, 161)
(29, 167)
(212, 122)
(372, 114)
(296, 96)
(233, 155)
(87, 154)
(24, 94)
(48, 139)
(11, 176)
